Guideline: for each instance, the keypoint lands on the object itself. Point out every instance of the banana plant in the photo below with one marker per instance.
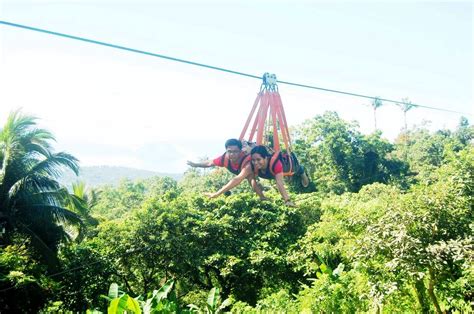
(213, 305)
(120, 302)
(162, 300)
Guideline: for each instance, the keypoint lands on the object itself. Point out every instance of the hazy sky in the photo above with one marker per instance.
(111, 107)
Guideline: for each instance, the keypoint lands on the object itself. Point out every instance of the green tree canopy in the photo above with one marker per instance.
(32, 203)
(341, 159)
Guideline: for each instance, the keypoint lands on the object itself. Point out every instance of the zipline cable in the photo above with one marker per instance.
(97, 42)
(127, 49)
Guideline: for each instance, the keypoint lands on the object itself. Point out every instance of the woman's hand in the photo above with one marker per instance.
(211, 195)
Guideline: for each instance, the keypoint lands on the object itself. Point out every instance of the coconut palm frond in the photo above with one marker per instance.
(377, 103)
(16, 125)
(37, 150)
(60, 214)
(79, 189)
(81, 201)
(72, 232)
(48, 254)
(77, 204)
(31, 185)
(31, 199)
(69, 161)
(39, 136)
(37, 141)
(92, 198)
(55, 164)
(406, 105)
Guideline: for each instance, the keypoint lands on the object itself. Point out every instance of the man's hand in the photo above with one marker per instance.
(190, 163)
(203, 164)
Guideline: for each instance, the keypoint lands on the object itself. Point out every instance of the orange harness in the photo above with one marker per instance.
(286, 160)
(271, 116)
(243, 160)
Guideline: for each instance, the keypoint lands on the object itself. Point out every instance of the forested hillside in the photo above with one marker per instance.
(385, 228)
(96, 176)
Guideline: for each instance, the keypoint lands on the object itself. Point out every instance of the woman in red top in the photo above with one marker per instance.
(263, 168)
(236, 161)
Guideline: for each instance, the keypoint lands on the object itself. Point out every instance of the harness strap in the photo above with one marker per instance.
(244, 130)
(262, 117)
(245, 162)
(224, 160)
(276, 156)
(244, 159)
(273, 114)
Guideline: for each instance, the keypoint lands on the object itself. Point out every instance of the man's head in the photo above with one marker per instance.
(233, 149)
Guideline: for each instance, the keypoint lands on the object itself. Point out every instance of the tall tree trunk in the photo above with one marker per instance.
(405, 119)
(378, 310)
(431, 292)
(422, 298)
(375, 119)
(127, 284)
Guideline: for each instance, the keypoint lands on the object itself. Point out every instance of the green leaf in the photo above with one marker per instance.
(338, 270)
(148, 304)
(325, 269)
(122, 304)
(213, 298)
(224, 304)
(113, 290)
(193, 307)
(133, 305)
(164, 290)
(113, 306)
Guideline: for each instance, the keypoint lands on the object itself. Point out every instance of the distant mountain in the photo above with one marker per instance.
(100, 175)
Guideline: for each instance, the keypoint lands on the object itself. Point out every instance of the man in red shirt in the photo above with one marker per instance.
(237, 162)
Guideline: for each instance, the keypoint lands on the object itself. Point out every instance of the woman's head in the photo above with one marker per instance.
(259, 156)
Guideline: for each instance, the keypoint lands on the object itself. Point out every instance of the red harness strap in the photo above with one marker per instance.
(287, 163)
(242, 134)
(243, 160)
(269, 108)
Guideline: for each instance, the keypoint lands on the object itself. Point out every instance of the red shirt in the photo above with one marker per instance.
(278, 167)
(235, 166)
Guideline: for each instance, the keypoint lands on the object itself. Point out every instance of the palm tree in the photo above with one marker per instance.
(81, 201)
(406, 105)
(376, 103)
(31, 199)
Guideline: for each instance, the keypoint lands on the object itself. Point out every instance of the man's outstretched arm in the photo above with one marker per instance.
(202, 164)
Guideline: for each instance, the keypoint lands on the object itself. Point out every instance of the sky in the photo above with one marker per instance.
(111, 107)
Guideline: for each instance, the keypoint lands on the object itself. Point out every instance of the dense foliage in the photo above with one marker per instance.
(387, 228)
